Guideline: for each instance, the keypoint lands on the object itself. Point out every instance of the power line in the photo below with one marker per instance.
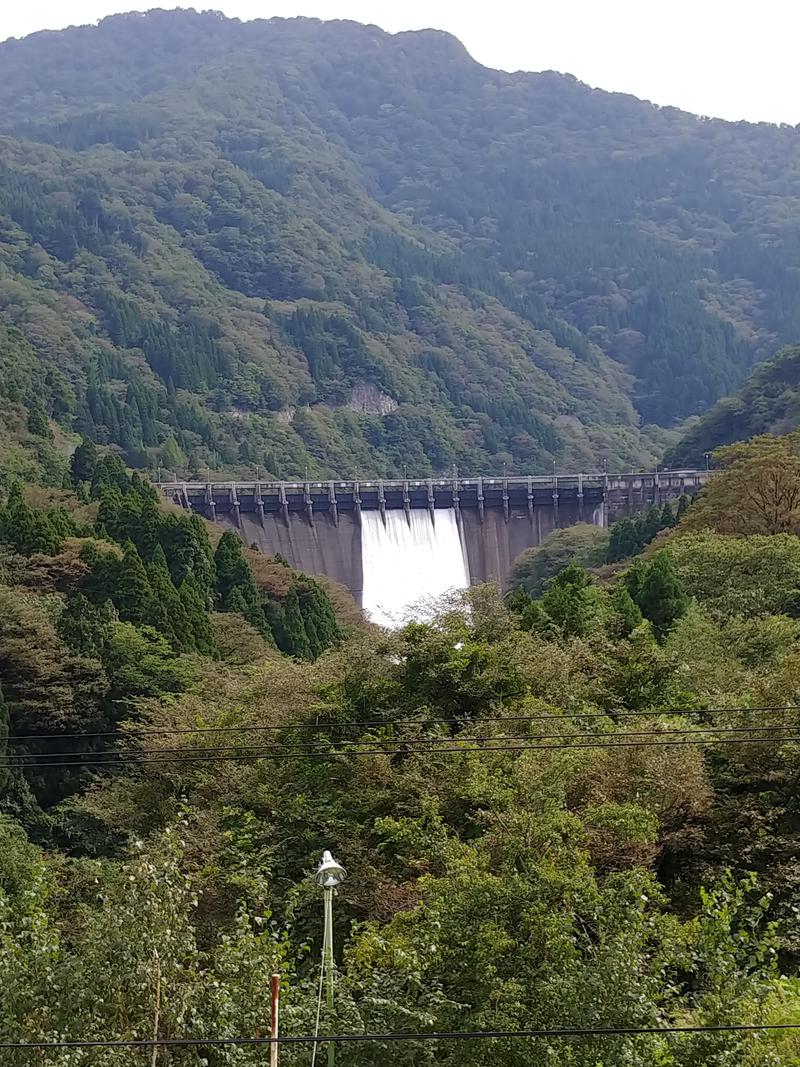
(273, 754)
(565, 1033)
(17, 759)
(251, 728)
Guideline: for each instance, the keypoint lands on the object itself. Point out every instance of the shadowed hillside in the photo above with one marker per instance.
(768, 402)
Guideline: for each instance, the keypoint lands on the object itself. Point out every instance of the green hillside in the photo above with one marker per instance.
(575, 809)
(768, 402)
(297, 244)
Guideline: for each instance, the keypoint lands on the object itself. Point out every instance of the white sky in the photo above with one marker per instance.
(736, 59)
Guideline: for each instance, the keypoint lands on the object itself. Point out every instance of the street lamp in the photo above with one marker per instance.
(329, 875)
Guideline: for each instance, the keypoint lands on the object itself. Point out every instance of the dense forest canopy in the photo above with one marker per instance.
(292, 244)
(768, 402)
(574, 808)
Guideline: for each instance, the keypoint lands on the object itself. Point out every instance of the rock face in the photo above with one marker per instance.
(369, 400)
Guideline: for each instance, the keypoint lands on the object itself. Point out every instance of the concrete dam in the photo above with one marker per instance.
(395, 543)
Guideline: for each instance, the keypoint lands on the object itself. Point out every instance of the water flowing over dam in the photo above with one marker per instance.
(406, 560)
(395, 544)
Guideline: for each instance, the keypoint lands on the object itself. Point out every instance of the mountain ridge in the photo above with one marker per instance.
(287, 212)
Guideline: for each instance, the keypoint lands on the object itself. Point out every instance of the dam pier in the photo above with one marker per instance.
(347, 528)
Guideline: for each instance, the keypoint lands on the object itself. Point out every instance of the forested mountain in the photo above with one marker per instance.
(303, 244)
(768, 402)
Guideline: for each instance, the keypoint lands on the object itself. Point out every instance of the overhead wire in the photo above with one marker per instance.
(122, 760)
(438, 746)
(254, 728)
(561, 1033)
(276, 747)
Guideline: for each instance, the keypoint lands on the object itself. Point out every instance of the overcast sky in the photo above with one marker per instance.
(736, 59)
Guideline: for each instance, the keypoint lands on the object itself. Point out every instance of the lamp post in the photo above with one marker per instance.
(330, 874)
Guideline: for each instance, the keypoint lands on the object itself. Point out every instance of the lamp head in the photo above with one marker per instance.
(329, 874)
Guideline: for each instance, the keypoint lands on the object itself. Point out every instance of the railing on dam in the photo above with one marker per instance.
(617, 493)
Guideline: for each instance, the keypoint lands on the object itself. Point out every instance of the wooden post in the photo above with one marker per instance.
(275, 988)
(157, 1011)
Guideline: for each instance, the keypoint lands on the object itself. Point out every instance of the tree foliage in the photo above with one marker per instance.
(274, 281)
(583, 544)
(523, 853)
(660, 595)
(629, 536)
(768, 402)
(757, 490)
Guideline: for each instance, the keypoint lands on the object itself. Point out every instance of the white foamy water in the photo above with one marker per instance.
(409, 559)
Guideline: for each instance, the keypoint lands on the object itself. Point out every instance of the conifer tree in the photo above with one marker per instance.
(236, 602)
(100, 581)
(38, 423)
(254, 614)
(294, 630)
(159, 558)
(651, 525)
(232, 569)
(197, 620)
(169, 615)
(109, 470)
(626, 539)
(27, 529)
(82, 625)
(5, 731)
(614, 550)
(661, 596)
(146, 523)
(633, 578)
(133, 596)
(171, 456)
(62, 522)
(566, 601)
(532, 617)
(108, 513)
(626, 614)
(287, 627)
(318, 617)
(188, 551)
(236, 587)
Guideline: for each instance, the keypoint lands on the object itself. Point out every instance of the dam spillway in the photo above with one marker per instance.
(409, 559)
(393, 543)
